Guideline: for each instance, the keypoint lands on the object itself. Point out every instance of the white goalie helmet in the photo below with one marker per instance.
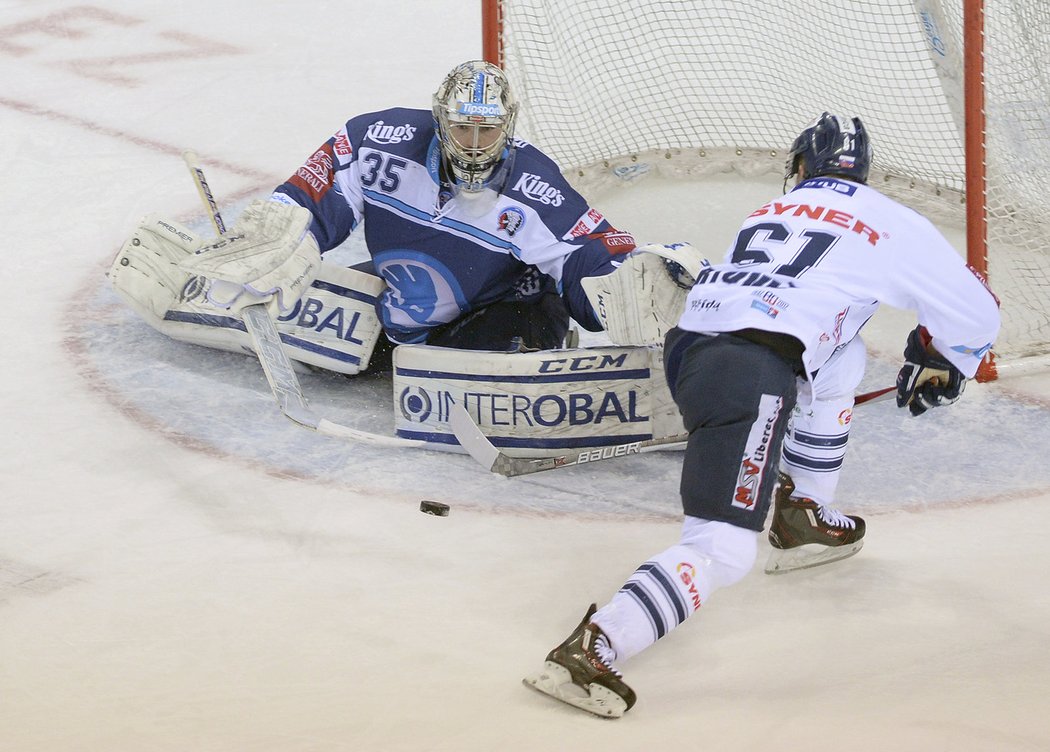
(475, 112)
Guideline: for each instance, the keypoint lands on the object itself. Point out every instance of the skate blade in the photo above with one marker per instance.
(556, 681)
(781, 561)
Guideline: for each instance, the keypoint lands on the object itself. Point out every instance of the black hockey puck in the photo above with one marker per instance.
(435, 508)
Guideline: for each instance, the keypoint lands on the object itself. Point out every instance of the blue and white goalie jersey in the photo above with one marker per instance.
(443, 255)
(817, 262)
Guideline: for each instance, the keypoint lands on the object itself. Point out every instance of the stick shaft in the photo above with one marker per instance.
(266, 340)
(878, 395)
(204, 190)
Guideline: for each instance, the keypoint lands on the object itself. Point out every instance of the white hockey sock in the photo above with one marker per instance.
(815, 446)
(665, 590)
(661, 594)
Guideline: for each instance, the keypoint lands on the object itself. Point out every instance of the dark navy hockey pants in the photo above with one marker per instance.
(736, 397)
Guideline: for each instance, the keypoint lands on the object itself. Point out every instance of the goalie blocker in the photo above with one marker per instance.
(330, 323)
(644, 298)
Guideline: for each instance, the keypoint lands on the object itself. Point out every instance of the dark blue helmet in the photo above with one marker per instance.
(831, 145)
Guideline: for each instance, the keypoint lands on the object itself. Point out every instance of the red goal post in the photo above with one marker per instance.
(956, 94)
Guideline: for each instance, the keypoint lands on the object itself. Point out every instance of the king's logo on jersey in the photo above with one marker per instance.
(382, 133)
(534, 187)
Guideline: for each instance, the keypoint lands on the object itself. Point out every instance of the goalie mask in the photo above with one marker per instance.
(831, 145)
(475, 111)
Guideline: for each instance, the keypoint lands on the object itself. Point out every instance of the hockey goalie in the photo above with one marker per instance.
(480, 255)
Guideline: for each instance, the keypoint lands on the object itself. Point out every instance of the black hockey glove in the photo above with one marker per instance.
(927, 378)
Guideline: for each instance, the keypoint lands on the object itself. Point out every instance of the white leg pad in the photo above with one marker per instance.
(334, 324)
(535, 403)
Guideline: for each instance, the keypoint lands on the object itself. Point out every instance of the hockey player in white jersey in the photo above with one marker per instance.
(777, 325)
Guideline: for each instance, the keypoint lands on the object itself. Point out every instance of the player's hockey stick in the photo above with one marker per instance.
(878, 395)
(492, 459)
(275, 362)
(1020, 367)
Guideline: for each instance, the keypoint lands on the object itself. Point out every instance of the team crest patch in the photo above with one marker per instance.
(511, 220)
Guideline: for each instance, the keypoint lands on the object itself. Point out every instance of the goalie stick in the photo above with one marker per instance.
(486, 454)
(274, 361)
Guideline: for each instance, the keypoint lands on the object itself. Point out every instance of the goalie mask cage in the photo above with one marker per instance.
(955, 95)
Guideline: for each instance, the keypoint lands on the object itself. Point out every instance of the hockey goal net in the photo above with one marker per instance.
(613, 89)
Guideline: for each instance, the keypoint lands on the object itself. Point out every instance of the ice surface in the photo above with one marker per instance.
(183, 568)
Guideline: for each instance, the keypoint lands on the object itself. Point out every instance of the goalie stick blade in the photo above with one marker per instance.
(556, 681)
(275, 364)
(328, 428)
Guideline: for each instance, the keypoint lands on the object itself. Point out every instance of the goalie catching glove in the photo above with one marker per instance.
(268, 257)
(178, 286)
(927, 379)
(640, 301)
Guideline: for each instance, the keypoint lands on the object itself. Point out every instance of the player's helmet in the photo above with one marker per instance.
(831, 145)
(475, 113)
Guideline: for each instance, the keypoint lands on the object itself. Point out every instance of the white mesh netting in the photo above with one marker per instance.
(613, 90)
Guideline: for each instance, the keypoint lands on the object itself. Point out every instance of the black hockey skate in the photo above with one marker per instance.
(579, 672)
(805, 534)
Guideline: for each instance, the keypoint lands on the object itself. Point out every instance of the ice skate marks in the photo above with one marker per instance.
(556, 681)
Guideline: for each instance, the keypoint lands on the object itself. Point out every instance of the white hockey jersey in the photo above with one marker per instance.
(817, 262)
